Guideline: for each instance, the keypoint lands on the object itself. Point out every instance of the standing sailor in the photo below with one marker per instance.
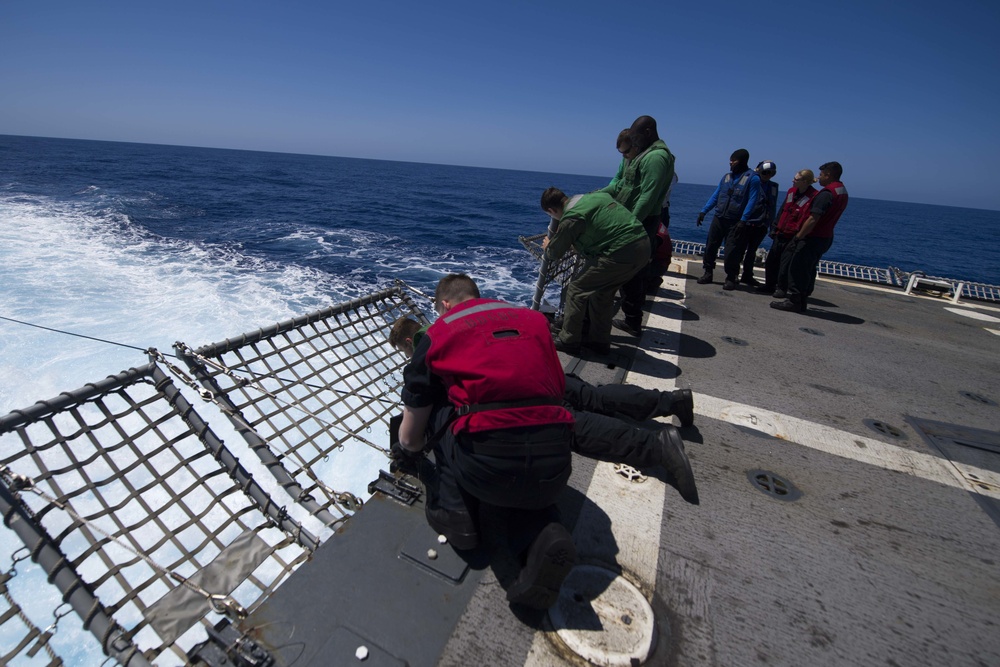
(760, 221)
(733, 200)
(641, 189)
(815, 237)
(794, 212)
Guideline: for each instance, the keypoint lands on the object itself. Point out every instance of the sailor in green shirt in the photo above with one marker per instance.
(641, 187)
(616, 248)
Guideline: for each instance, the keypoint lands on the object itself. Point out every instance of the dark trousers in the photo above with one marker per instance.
(598, 434)
(615, 441)
(741, 238)
(754, 238)
(634, 291)
(590, 295)
(805, 257)
(612, 399)
(717, 233)
(521, 468)
(777, 263)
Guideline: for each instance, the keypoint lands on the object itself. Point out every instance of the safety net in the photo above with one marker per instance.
(303, 390)
(22, 641)
(145, 523)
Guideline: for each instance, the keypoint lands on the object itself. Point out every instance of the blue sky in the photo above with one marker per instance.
(903, 95)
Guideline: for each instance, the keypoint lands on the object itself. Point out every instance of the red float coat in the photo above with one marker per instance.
(795, 210)
(824, 226)
(500, 360)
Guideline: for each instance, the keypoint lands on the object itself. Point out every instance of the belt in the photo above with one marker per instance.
(473, 408)
(553, 439)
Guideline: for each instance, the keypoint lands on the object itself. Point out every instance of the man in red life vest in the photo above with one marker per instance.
(474, 358)
(509, 444)
(608, 421)
(814, 238)
(794, 212)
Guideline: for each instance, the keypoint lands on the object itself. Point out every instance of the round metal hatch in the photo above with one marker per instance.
(773, 485)
(603, 618)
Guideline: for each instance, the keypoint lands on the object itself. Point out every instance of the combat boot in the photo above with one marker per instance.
(678, 402)
(675, 460)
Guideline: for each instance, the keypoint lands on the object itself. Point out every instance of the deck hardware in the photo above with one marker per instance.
(978, 398)
(396, 488)
(226, 646)
(811, 332)
(735, 341)
(629, 473)
(774, 485)
(885, 429)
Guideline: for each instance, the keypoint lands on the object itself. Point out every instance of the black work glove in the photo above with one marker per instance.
(701, 218)
(403, 460)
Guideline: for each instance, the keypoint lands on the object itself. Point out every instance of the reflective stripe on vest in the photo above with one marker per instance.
(735, 199)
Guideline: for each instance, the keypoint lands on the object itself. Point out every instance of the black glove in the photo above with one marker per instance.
(403, 460)
(701, 217)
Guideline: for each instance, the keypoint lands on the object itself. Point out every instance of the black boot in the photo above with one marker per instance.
(706, 277)
(678, 402)
(550, 558)
(673, 458)
(628, 325)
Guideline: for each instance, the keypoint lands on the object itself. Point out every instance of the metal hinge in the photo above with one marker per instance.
(228, 647)
(395, 487)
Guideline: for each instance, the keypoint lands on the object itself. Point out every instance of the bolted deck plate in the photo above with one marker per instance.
(603, 618)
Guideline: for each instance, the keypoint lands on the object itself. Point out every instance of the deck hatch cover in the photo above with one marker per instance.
(774, 485)
(975, 455)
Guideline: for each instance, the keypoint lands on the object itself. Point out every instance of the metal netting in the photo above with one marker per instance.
(303, 389)
(22, 641)
(142, 519)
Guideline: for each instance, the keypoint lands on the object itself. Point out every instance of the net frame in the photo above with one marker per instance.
(302, 389)
(24, 643)
(117, 488)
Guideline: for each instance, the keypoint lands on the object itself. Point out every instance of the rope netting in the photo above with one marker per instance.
(302, 390)
(139, 515)
(22, 641)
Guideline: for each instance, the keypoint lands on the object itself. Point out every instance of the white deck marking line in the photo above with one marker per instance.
(633, 512)
(974, 314)
(994, 331)
(848, 445)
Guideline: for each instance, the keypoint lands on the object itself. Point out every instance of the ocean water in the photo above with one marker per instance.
(141, 245)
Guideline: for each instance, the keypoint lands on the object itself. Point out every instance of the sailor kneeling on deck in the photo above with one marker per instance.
(598, 430)
(507, 441)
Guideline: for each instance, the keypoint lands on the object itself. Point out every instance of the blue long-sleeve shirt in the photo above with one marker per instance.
(753, 193)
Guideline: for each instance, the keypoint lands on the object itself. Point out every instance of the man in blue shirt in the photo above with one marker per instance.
(734, 201)
(759, 224)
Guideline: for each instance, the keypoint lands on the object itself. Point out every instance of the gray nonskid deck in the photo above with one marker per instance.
(886, 557)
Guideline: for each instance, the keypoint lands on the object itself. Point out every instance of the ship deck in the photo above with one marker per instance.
(848, 465)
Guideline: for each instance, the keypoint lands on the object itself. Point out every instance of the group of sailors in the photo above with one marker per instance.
(745, 204)
(484, 388)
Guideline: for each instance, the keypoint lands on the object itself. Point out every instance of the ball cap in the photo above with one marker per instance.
(767, 166)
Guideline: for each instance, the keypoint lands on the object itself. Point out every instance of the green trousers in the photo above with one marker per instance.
(590, 295)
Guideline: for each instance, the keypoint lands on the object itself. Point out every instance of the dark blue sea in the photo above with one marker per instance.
(145, 244)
